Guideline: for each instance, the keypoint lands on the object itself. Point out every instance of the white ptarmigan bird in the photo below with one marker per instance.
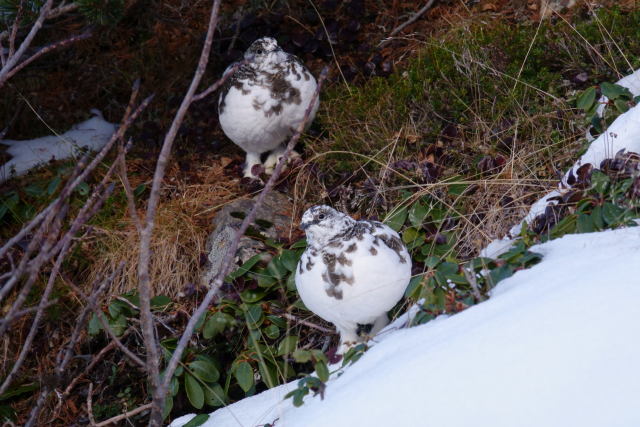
(351, 273)
(263, 103)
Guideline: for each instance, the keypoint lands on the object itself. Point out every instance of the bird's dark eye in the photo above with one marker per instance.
(259, 51)
(321, 216)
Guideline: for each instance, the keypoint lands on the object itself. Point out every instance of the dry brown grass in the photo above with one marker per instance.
(190, 201)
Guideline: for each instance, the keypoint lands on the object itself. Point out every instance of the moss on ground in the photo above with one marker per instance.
(475, 76)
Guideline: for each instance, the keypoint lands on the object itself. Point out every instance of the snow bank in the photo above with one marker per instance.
(92, 134)
(624, 132)
(556, 345)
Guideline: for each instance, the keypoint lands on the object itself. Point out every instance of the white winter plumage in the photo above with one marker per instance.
(265, 102)
(92, 134)
(348, 278)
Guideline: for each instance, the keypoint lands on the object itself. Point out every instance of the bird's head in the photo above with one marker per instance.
(264, 49)
(321, 223)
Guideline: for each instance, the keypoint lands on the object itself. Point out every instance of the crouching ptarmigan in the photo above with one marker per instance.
(351, 273)
(264, 102)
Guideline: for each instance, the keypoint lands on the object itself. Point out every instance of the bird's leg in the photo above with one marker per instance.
(379, 324)
(252, 160)
(274, 158)
(348, 338)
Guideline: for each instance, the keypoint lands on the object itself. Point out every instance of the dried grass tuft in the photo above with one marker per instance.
(183, 220)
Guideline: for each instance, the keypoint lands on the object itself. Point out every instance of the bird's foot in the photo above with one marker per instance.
(274, 158)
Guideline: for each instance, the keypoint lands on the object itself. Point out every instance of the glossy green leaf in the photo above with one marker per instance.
(272, 331)
(174, 386)
(287, 345)
(244, 268)
(611, 213)
(322, 371)
(301, 356)
(587, 99)
(214, 395)
(278, 321)
(198, 420)
(194, 391)
(253, 314)
(53, 185)
(160, 301)
(614, 91)
(417, 214)
(413, 285)
(137, 192)
(584, 223)
(276, 268)
(95, 325)
(397, 219)
(300, 244)
(118, 325)
(289, 260)
(204, 370)
(268, 373)
(252, 295)
(168, 406)
(410, 235)
(244, 375)
(216, 323)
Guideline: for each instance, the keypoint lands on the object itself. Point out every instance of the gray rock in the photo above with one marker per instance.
(276, 210)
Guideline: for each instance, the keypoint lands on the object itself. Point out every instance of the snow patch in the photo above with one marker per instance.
(91, 134)
(555, 346)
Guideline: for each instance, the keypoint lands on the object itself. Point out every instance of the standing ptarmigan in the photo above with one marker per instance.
(351, 273)
(263, 103)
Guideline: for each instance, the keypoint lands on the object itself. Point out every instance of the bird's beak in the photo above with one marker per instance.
(304, 225)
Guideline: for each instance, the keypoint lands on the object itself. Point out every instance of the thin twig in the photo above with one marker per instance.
(413, 18)
(92, 420)
(307, 323)
(53, 13)
(26, 311)
(34, 268)
(14, 30)
(131, 203)
(53, 46)
(124, 416)
(105, 325)
(94, 361)
(65, 354)
(13, 60)
(221, 81)
(144, 284)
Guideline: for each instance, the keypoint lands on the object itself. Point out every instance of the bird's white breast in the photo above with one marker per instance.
(377, 274)
(255, 118)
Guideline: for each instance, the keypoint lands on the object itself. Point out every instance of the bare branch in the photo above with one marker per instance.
(105, 325)
(144, 287)
(53, 13)
(228, 73)
(413, 18)
(65, 354)
(124, 416)
(131, 203)
(26, 311)
(53, 46)
(13, 60)
(306, 323)
(94, 361)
